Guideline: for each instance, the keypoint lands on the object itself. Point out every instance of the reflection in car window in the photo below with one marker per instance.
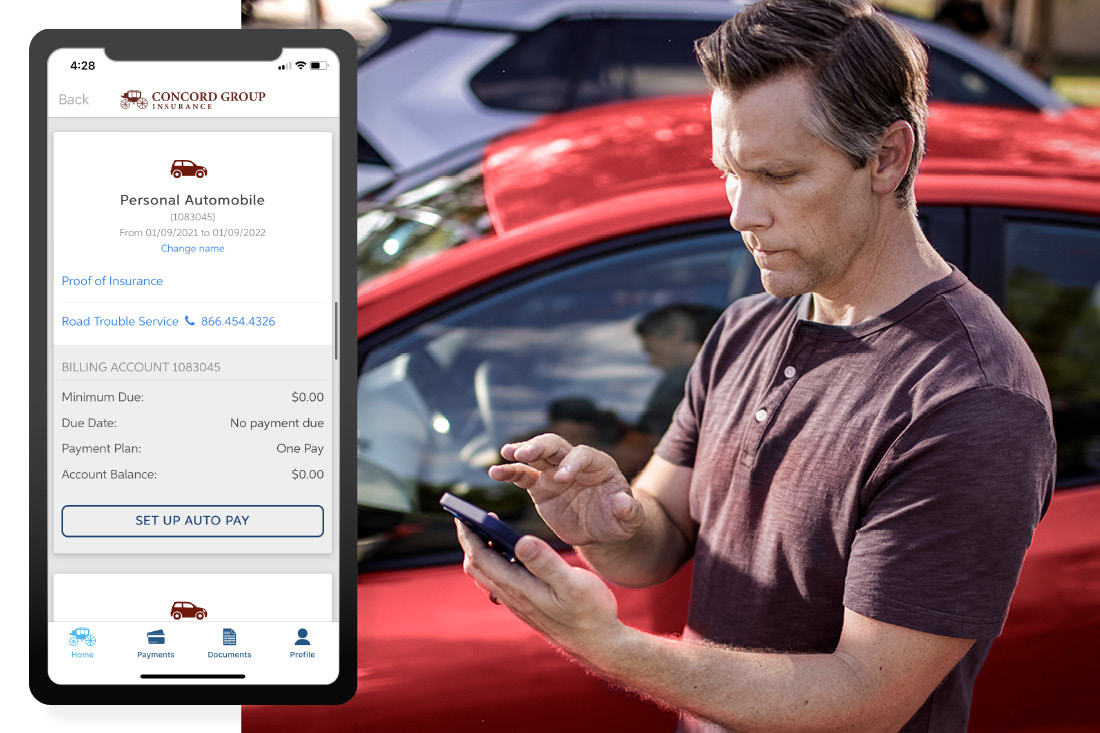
(661, 55)
(607, 60)
(632, 58)
(535, 74)
(446, 212)
(436, 404)
(951, 79)
(1054, 300)
(604, 77)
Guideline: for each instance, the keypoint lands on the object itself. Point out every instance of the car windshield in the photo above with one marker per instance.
(443, 213)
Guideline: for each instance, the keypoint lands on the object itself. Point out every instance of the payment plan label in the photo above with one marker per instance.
(192, 307)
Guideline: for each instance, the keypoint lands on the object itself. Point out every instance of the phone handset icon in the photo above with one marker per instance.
(189, 321)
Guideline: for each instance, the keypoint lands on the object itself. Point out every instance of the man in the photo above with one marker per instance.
(862, 453)
(671, 336)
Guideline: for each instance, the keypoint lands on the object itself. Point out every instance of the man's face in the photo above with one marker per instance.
(664, 350)
(805, 214)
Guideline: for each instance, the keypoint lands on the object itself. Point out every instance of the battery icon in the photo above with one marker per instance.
(318, 64)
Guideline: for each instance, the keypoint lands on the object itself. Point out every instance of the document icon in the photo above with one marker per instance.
(229, 637)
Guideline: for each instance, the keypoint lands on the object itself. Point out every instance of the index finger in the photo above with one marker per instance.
(519, 474)
(541, 452)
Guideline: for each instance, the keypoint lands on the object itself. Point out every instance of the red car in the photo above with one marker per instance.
(187, 168)
(184, 609)
(596, 218)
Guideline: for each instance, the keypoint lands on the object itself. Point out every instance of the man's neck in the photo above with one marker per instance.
(882, 278)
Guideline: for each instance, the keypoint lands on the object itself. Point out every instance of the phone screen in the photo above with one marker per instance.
(190, 496)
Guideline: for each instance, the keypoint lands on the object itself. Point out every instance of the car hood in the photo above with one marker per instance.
(584, 157)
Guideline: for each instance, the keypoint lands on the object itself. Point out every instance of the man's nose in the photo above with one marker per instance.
(749, 211)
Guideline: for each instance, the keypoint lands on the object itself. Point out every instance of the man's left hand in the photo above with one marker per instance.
(570, 606)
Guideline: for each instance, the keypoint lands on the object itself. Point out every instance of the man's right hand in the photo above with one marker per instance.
(579, 491)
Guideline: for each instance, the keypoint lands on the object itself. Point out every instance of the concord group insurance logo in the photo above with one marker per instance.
(186, 99)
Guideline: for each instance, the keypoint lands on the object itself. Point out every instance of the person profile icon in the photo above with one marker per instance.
(302, 640)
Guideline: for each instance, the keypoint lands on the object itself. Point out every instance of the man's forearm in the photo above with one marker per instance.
(739, 690)
(879, 675)
(750, 691)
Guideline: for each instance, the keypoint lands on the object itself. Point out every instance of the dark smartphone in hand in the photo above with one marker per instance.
(496, 533)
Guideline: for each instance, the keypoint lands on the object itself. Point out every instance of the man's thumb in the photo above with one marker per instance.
(628, 511)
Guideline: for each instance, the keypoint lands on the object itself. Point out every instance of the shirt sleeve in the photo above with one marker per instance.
(949, 512)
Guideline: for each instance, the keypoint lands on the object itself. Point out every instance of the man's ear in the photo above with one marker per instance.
(892, 161)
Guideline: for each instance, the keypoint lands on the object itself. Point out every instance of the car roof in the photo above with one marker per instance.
(427, 79)
(527, 15)
(604, 172)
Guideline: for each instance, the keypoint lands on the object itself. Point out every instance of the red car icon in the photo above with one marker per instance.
(187, 168)
(183, 609)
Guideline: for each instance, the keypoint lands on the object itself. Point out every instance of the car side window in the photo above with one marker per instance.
(1053, 298)
(553, 352)
(659, 55)
(951, 79)
(608, 60)
(534, 75)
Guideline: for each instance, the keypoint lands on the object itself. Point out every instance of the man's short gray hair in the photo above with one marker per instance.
(866, 71)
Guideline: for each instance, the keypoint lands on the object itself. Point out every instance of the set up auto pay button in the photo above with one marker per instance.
(192, 520)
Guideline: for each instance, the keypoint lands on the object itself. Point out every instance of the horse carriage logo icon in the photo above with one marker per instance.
(134, 97)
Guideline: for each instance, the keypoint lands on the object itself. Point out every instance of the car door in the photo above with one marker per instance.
(1044, 270)
(438, 394)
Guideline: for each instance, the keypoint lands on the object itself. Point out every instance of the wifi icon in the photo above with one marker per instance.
(300, 64)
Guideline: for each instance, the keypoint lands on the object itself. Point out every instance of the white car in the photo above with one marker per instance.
(449, 75)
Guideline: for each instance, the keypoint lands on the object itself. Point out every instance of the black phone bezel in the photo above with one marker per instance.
(187, 45)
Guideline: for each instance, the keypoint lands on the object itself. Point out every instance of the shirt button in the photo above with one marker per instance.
(761, 415)
(789, 372)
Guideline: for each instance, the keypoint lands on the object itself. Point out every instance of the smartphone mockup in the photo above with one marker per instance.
(192, 366)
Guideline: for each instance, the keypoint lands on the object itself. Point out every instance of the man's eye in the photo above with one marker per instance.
(780, 177)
